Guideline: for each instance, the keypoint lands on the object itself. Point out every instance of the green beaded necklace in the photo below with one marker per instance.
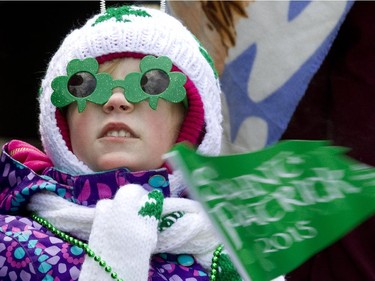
(101, 262)
(78, 243)
(215, 262)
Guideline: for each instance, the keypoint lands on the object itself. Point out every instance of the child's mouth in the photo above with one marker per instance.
(119, 130)
(118, 133)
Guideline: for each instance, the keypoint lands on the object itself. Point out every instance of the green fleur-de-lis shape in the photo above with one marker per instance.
(61, 95)
(207, 56)
(175, 91)
(119, 13)
(153, 207)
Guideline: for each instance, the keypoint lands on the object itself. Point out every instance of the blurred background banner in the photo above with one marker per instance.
(266, 52)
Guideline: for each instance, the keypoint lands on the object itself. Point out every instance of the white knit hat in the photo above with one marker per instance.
(132, 29)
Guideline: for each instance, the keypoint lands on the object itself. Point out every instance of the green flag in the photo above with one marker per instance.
(276, 207)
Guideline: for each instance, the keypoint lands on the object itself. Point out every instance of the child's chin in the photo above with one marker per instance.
(111, 163)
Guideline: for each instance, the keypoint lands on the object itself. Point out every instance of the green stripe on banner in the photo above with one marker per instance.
(276, 207)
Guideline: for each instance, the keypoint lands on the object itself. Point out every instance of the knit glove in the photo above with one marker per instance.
(124, 234)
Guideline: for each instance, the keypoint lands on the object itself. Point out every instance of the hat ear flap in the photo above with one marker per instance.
(193, 124)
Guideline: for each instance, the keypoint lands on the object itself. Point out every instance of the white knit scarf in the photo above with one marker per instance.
(190, 234)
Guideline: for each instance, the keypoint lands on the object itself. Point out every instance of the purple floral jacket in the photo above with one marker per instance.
(29, 251)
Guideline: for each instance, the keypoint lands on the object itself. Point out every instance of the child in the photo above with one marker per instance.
(101, 204)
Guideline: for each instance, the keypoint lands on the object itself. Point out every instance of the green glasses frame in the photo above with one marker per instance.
(100, 85)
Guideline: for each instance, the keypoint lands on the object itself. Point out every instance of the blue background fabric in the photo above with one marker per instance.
(264, 81)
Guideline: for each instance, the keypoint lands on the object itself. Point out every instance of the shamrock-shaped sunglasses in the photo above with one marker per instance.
(83, 83)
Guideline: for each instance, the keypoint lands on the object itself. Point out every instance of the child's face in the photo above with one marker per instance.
(122, 134)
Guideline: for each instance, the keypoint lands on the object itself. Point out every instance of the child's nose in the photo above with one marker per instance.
(118, 102)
